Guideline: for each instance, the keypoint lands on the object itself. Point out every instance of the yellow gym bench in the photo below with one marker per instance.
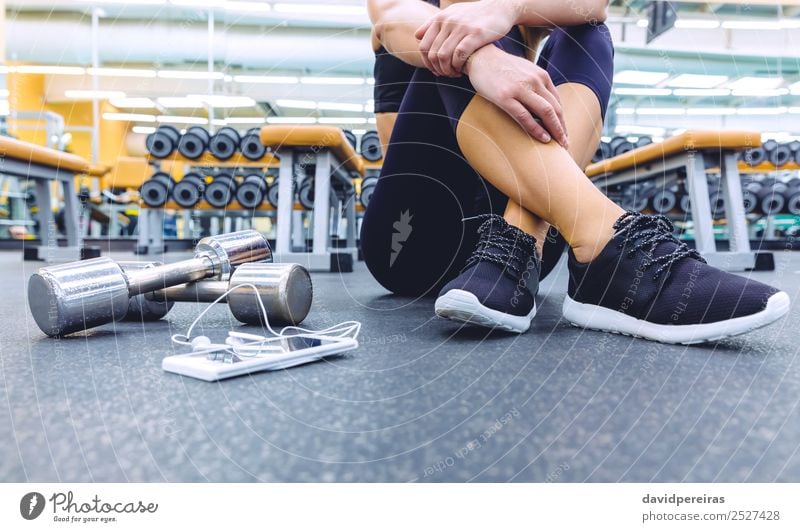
(25, 160)
(693, 152)
(336, 164)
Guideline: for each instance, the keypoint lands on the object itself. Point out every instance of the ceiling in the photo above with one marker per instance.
(302, 40)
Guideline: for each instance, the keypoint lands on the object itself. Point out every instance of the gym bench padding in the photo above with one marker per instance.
(42, 165)
(685, 142)
(693, 153)
(315, 137)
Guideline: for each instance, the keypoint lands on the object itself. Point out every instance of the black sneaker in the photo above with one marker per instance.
(646, 283)
(496, 287)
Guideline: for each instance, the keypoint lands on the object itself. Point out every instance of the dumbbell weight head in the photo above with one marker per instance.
(792, 205)
(189, 190)
(644, 141)
(371, 146)
(76, 296)
(754, 156)
(367, 188)
(73, 297)
(251, 145)
(685, 204)
(163, 141)
(305, 193)
(252, 191)
(620, 145)
(194, 142)
(633, 198)
(140, 308)
(794, 146)
(770, 199)
(221, 191)
(351, 138)
(780, 155)
(750, 201)
(716, 201)
(664, 201)
(284, 289)
(272, 192)
(156, 191)
(224, 143)
(603, 152)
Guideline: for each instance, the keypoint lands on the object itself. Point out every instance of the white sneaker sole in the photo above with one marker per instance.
(603, 319)
(463, 306)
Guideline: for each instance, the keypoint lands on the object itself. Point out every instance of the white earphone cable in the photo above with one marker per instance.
(249, 345)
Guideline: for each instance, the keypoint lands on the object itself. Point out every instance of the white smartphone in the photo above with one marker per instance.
(285, 353)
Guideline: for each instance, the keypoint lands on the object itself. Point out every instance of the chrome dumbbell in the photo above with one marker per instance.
(284, 289)
(141, 308)
(79, 295)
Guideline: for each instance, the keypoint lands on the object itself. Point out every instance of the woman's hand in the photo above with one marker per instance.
(451, 36)
(521, 89)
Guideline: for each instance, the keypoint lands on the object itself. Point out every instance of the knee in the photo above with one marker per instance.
(593, 39)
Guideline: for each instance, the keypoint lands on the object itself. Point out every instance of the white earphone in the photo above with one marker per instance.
(243, 344)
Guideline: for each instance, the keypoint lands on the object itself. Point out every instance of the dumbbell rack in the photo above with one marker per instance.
(151, 219)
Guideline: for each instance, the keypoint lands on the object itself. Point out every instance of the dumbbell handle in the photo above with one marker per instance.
(204, 292)
(285, 290)
(213, 257)
(185, 271)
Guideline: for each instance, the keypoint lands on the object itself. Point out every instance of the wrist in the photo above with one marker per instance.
(512, 9)
(483, 55)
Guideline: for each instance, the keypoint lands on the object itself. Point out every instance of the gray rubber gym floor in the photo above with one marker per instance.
(420, 400)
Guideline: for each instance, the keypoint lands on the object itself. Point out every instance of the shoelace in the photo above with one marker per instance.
(515, 246)
(645, 233)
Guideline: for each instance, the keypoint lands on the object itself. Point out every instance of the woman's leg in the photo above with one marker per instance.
(545, 179)
(498, 286)
(583, 120)
(627, 273)
(413, 239)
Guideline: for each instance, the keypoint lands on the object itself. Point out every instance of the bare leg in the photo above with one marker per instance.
(384, 123)
(584, 123)
(543, 179)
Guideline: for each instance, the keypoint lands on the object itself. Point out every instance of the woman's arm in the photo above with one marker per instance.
(394, 23)
(453, 34)
(514, 84)
(554, 13)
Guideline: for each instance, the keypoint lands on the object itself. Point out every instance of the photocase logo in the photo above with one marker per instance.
(31, 505)
(402, 230)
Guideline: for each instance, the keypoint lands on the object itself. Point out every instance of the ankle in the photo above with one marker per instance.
(587, 245)
(585, 253)
(587, 248)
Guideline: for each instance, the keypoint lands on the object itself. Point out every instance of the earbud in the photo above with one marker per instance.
(251, 345)
(200, 343)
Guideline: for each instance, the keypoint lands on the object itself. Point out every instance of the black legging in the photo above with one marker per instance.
(413, 238)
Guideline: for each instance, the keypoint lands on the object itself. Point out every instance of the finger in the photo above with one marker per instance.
(559, 109)
(542, 109)
(555, 103)
(525, 119)
(424, 28)
(446, 56)
(463, 51)
(426, 42)
(434, 53)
